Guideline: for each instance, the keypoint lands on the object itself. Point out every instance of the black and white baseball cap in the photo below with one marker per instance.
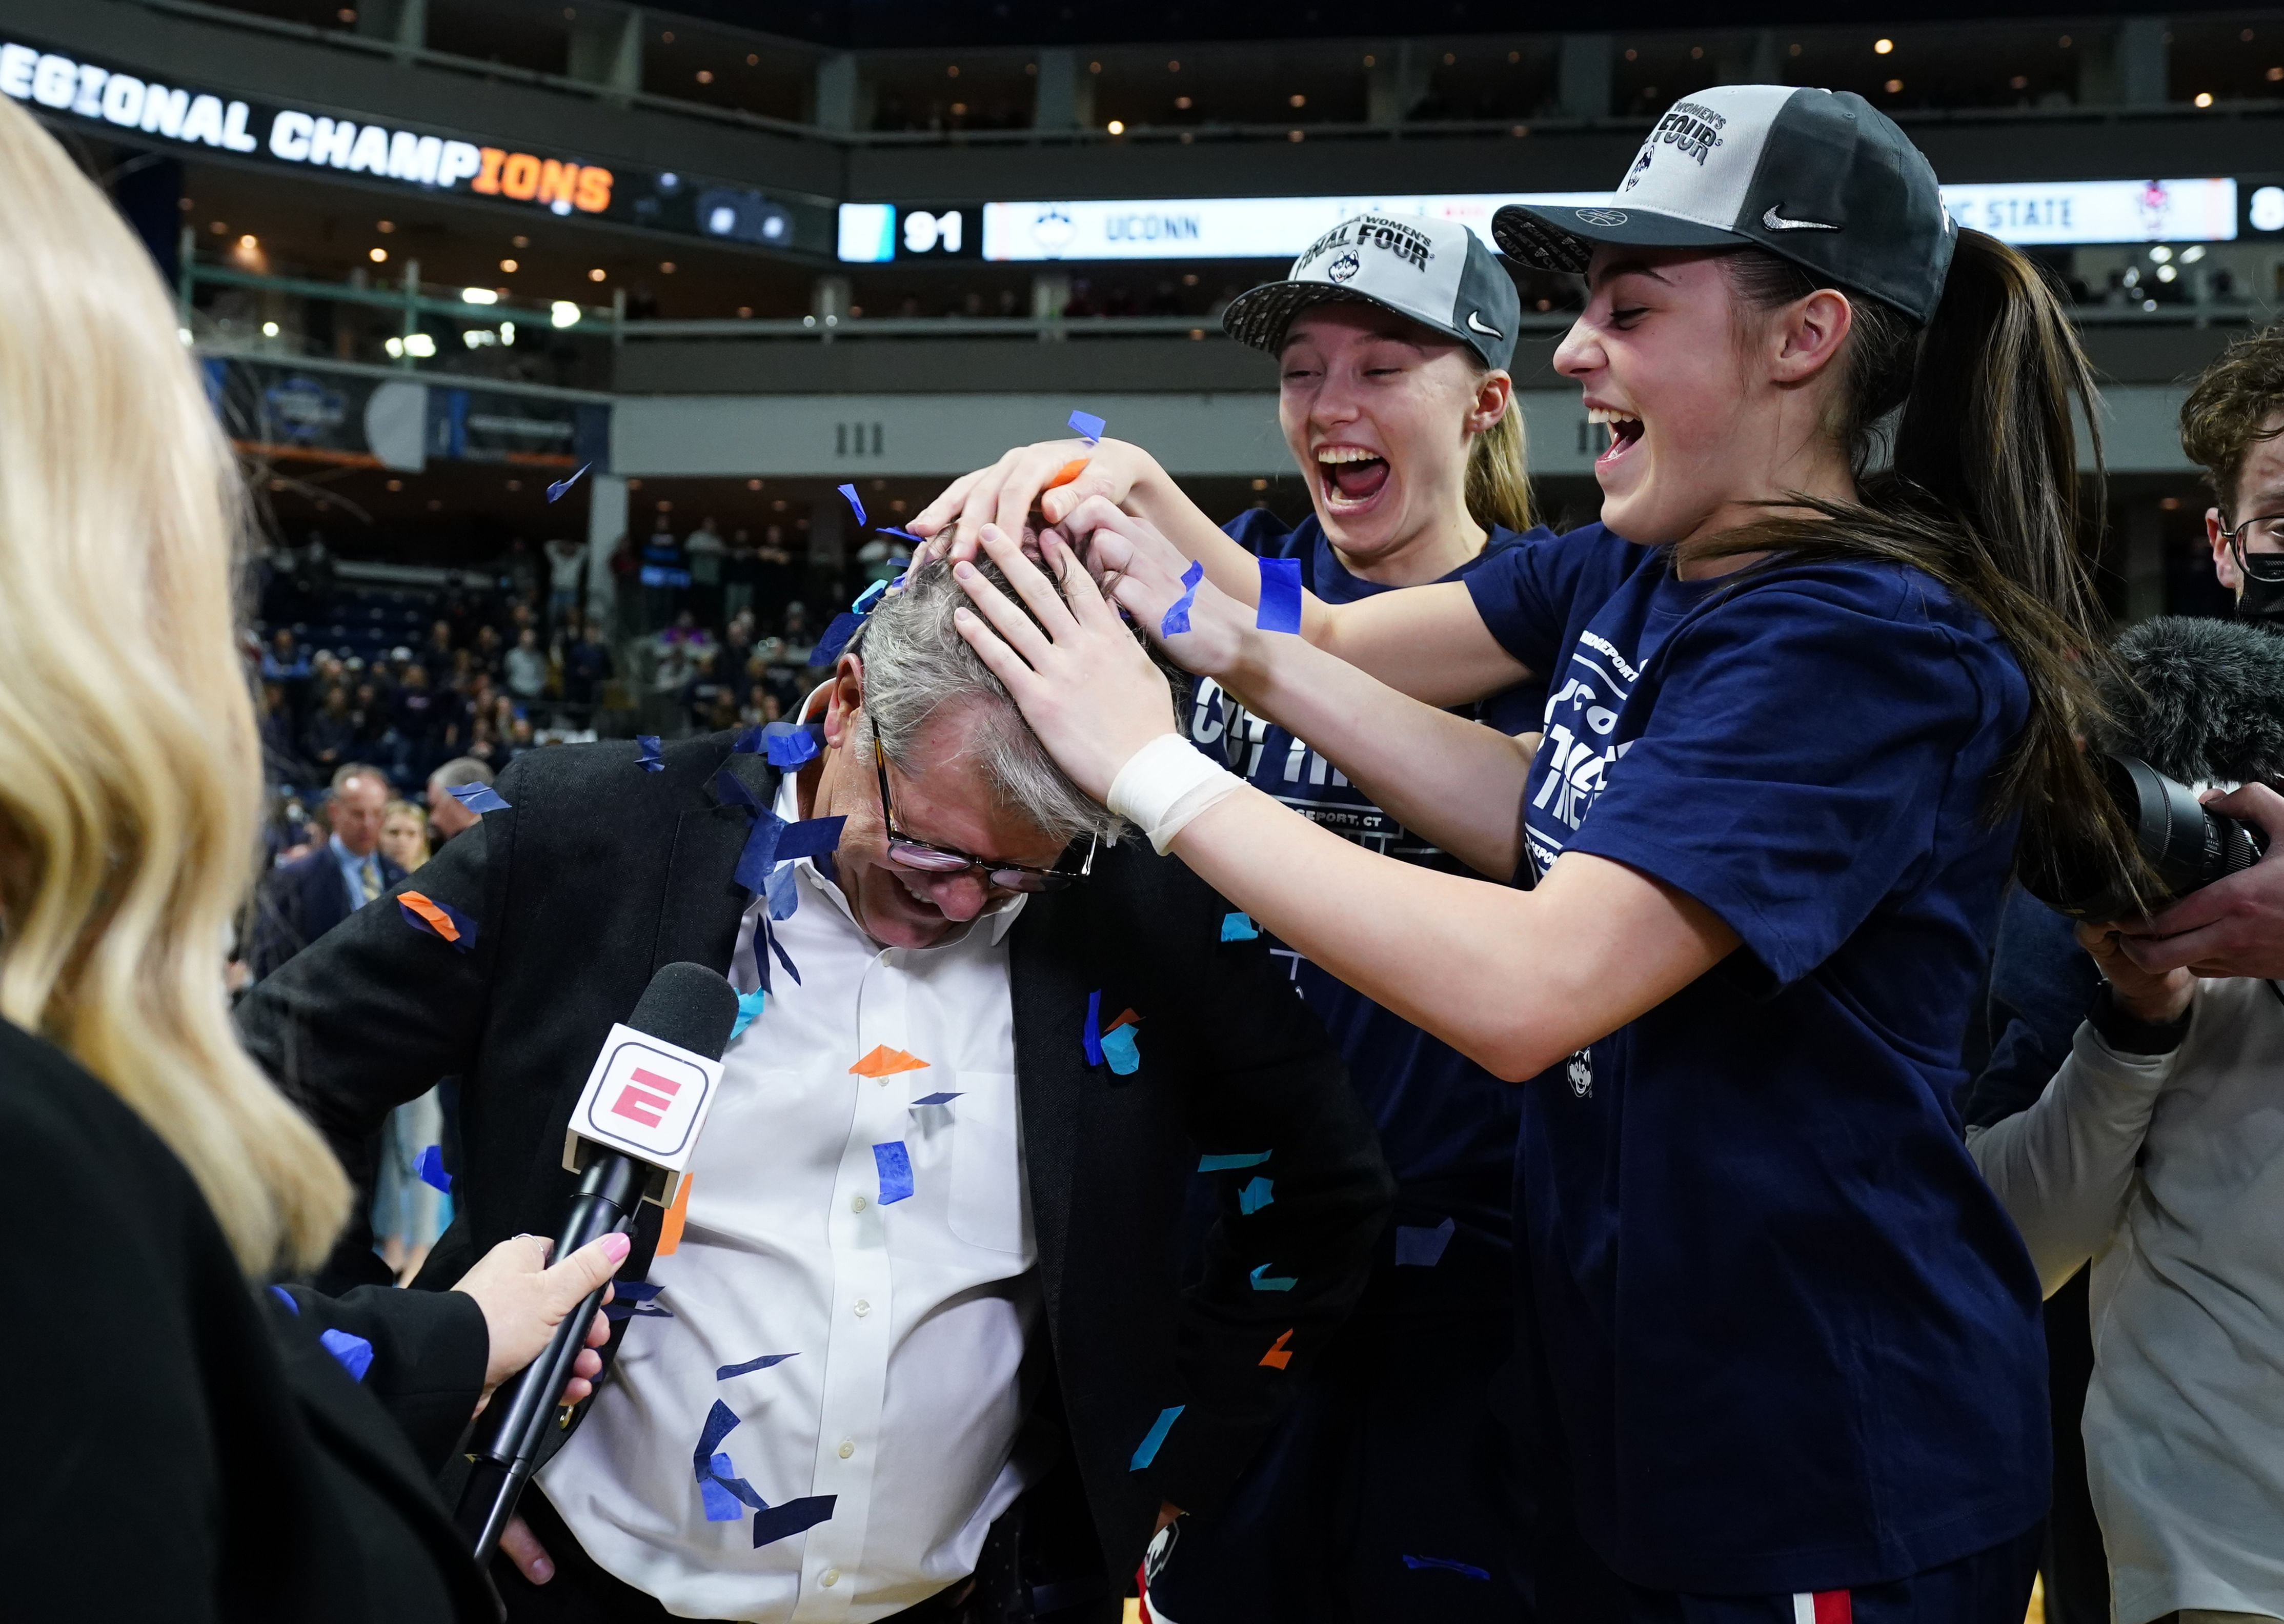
(1822, 179)
(1437, 272)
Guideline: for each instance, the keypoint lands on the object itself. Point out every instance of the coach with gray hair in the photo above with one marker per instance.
(920, 1352)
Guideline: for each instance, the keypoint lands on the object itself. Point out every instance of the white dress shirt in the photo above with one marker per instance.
(354, 869)
(906, 1322)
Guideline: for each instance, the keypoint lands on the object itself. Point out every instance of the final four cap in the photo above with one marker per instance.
(1819, 178)
(1437, 272)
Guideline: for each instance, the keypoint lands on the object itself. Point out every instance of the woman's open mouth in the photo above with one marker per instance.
(1626, 432)
(1351, 475)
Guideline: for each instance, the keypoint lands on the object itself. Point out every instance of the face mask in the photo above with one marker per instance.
(2262, 601)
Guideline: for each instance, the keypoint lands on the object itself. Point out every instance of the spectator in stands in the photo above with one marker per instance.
(566, 578)
(404, 835)
(586, 666)
(486, 654)
(331, 732)
(436, 653)
(665, 575)
(704, 549)
(740, 574)
(521, 738)
(415, 708)
(526, 666)
(281, 761)
(699, 692)
(305, 899)
(520, 570)
(447, 817)
(797, 630)
(284, 661)
(774, 572)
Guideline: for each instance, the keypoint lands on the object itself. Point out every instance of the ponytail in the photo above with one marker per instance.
(1499, 487)
(1982, 492)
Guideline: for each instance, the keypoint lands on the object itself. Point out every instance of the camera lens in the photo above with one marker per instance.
(2185, 846)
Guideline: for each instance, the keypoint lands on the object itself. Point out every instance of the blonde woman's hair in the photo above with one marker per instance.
(1498, 473)
(419, 814)
(130, 766)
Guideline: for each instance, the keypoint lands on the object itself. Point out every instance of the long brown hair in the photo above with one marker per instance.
(1982, 492)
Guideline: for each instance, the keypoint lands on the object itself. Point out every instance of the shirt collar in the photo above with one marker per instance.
(999, 918)
(346, 858)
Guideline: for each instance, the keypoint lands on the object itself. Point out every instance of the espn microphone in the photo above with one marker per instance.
(631, 1136)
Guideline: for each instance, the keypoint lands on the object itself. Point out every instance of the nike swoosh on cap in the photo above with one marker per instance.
(1778, 222)
(1476, 325)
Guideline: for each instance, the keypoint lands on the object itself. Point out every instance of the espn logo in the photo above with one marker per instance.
(646, 1097)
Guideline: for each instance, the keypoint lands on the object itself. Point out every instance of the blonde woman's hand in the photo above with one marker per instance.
(1084, 682)
(1026, 477)
(524, 1301)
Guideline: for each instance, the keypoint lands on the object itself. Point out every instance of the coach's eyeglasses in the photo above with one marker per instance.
(924, 858)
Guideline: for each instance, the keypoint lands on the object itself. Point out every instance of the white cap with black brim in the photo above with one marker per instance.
(1819, 178)
(1435, 272)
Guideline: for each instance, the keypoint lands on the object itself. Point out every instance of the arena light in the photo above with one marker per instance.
(422, 345)
(478, 295)
(563, 313)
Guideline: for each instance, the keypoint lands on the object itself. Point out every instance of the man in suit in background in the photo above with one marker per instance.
(924, 1339)
(307, 897)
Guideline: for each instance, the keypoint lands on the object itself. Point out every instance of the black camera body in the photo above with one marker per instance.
(2187, 845)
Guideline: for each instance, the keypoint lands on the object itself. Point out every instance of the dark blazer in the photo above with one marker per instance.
(598, 873)
(180, 1444)
(301, 902)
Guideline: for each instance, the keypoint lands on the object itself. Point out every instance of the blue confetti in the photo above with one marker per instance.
(1119, 1048)
(869, 598)
(636, 1290)
(479, 797)
(1256, 1194)
(763, 1363)
(431, 1169)
(414, 906)
(1091, 1040)
(1087, 426)
(555, 492)
(785, 958)
(893, 1164)
(1280, 596)
(286, 1297)
(721, 1504)
(1177, 613)
(835, 639)
(787, 746)
(1147, 1450)
(721, 1421)
(730, 791)
(1273, 1282)
(647, 758)
(1238, 927)
(849, 491)
(794, 1517)
(1417, 1247)
(1467, 1569)
(749, 1011)
(758, 854)
(1232, 1158)
(939, 1099)
(784, 892)
(812, 837)
(353, 1352)
(725, 1473)
(916, 540)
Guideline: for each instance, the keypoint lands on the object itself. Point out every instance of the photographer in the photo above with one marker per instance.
(2157, 1153)
(2232, 427)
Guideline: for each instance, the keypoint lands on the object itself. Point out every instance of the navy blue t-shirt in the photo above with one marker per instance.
(1794, 1338)
(1446, 1125)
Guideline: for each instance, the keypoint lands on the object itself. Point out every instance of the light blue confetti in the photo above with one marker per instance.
(749, 1011)
(1147, 1450)
(1255, 1196)
(1232, 1158)
(1273, 1282)
(1238, 927)
(1119, 1048)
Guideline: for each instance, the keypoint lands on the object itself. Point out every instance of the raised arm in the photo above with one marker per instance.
(1514, 979)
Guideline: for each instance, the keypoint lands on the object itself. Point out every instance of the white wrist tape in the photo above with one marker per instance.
(1166, 783)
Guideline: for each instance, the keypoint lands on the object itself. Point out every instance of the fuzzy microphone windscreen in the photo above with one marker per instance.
(2205, 702)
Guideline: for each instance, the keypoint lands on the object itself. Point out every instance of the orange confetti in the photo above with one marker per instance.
(1068, 471)
(1126, 1018)
(438, 920)
(669, 1231)
(1279, 1355)
(887, 1062)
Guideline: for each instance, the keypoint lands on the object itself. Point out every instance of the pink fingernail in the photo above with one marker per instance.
(616, 1245)
(542, 1572)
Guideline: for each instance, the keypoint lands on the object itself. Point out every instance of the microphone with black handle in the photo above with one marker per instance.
(630, 1139)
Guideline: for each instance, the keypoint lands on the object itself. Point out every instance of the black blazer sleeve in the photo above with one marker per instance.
(375, 1012)
(1263, 1076)
(429, 1351)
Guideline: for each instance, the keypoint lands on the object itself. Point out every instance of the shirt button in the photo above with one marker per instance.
(830, 1577)
(858, 1204)
(848, 1448)
(863, 1307)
